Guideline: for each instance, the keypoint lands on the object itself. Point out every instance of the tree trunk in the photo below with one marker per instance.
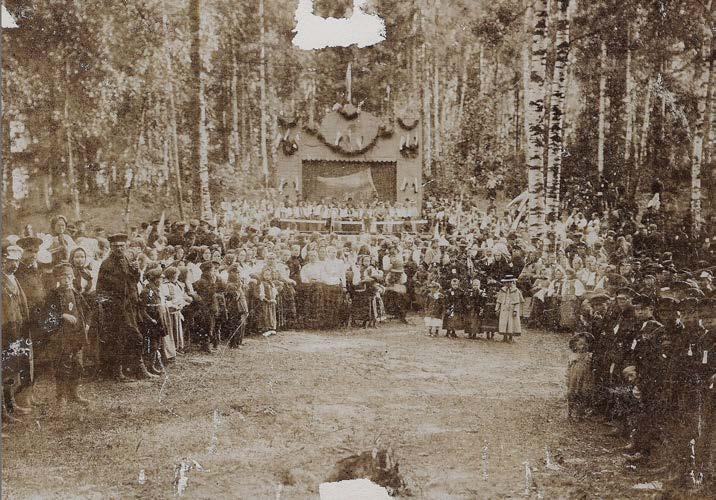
(436, 108)
(262, 89)
(558, 89)
(71, 177)
(427, 124)
(702, 79)
(135, 171)
(200, 138)
(535, 117)
(709, 179)
(463, 84)
(245, 131)
(628, 104)
(174, 142)
(644, 139)
(602, 109)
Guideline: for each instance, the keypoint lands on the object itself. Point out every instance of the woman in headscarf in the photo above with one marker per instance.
(62, 242)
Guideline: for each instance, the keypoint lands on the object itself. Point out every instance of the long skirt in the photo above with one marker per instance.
(332, 306)
(176, 329)
(267, 316)
(363, 308)
(568, 312)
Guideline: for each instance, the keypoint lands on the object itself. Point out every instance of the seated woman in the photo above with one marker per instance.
(334, 310)
(310, 292)
(361, 301)
(571, 298)
(396, 292)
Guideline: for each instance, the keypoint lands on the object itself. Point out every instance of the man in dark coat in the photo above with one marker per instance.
(16, 351)
(121, 340)
(32, 281)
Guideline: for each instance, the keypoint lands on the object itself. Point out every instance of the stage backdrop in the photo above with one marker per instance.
(343, 179)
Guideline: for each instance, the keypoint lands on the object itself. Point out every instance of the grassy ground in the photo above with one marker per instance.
(466, 419)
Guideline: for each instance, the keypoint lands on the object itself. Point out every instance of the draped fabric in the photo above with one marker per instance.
(356, 185)
(343, 179)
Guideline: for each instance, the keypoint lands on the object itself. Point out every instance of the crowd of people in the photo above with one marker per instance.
(635, 293)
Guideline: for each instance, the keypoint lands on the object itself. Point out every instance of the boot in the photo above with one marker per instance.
(206, 347)
(119, 375)
(73, 395)
(142, 372)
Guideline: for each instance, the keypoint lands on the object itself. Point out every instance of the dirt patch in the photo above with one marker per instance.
(469, 419)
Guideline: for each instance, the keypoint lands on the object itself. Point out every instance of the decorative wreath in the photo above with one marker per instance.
(287, 121)
(408, 123)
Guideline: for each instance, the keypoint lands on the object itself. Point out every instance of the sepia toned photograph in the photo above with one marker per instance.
(358, 249)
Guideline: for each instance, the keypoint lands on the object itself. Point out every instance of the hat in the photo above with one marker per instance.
(626, 292)
(508, 278)
(598, 298)
(62, 268)
(12, 252)
(206, 266)
(579, 336)
(434, 284)
(54, 220)
(154, 273)
(117, 238)
(193, 222)
(30, 243)
(642, 301)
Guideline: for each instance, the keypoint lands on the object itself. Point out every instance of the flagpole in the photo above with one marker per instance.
(349, 95)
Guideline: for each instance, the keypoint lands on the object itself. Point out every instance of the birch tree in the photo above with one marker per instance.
(702, 79)
(535, 117)
(602, 108)
(555, 148)
(262, 91)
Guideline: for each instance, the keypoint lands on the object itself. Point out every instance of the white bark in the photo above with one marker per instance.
(628, 100)
(602, 108)
(558, 89)
(235, 145)
(262, 89)
(172, 114)
(71, 177)
(702, 80)
(436, 108)
(427, 124)
(535, 118)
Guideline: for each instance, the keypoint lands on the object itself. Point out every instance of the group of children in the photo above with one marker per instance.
(476, 310)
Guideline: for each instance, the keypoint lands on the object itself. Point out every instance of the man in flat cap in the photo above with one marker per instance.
(208, 288)
(33, 281)
(117, 292)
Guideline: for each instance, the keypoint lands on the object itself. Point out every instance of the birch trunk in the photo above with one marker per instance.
(463, 84)
(602, 108)
(71, 176)
(427, 124)
(628, 104)
(174, 143)
(262, 90)
(436, 108)
(535, 118)
(643, 140)
(526, 66)
(702, 80)
(245, 129)
(558, 89)
(200, 138)
(235, 146)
